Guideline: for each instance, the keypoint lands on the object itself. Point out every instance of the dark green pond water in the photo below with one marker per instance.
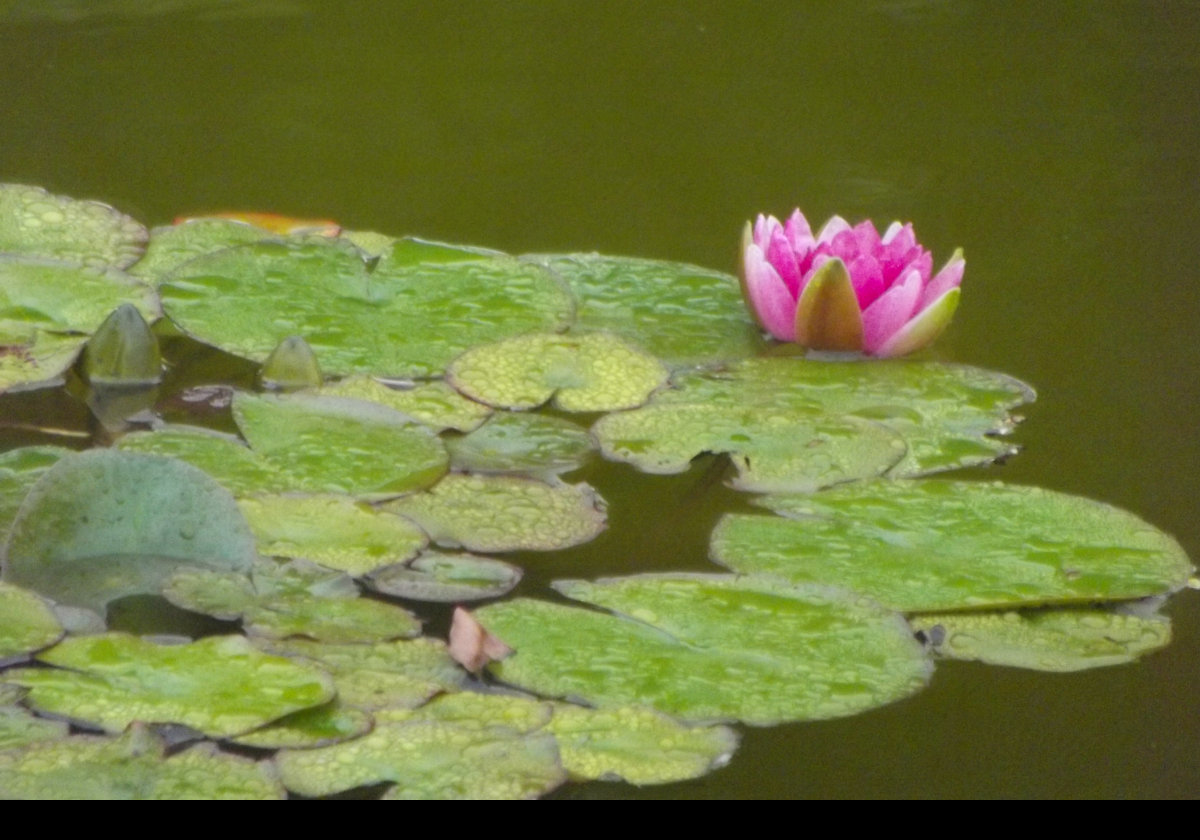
(1058, 143)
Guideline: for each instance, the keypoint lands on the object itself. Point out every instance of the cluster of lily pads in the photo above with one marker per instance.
(417, 406)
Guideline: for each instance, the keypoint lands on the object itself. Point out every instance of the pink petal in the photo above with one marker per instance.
(831, 229)
(867, 236)
(763, 226)
(780, 255)
(772, 304)
(799, 234)
(948, 278)
(867, 277)
(887, 315)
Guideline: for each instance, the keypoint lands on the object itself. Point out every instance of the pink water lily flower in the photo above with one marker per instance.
(847, 288)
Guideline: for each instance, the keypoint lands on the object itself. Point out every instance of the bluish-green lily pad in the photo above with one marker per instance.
(533, 444)
(682, 314)
(948, 415)
(409, 315)
(1045, 640)
(102, 524)
(446, 577)
(219, 685)
(35, 223)
(132, 766)
(924, 546)
(708, 647)
(588, 372)
(334, 531)
(19, 471)
(27, 623)
(494, 513)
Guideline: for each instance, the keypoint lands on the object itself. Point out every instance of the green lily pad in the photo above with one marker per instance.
(680, 313)
(773, 449)
(296, 599)
(27, 623)
(39, 360)
(333, 531)
(222, 456)
(450, 578)
(132, 766)
(19, 727)
(64, 297)
(173, 245)
(102, 524)
(534, 444)
(219, 685)
(409, 316)
(636, 745)
(947, 414)
(435, 404)
(707, 647)
(923, 546)
(1045, 640)
(384, 674)
(590, 372)
(35, 223)
(478, 709)
(19, 471)
(430, 760)
(317, 727)
(494, 513)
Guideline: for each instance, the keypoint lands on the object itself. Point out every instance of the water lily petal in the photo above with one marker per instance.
(832, 228)
(799, 234)
(828, 317)
(948, 278)
(867, 276)
(887, 315)
(767, 295)
(783, 260)
(923, 329)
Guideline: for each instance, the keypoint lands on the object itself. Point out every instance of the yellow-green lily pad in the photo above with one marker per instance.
(435, 404)
(533, 444)
(35, 223)
(37, 360)
(1045, 640)
(65, 297)
(588, 372)
(447, 577)
(931, 545)
(132, 766)
(173, 245)
(334, 531)
(408, 315)
(708, 647)
(317, 727)
(19, 727)
(682, 314)
(27, 623)
(219, 685)
(102, 524)
(494, 513)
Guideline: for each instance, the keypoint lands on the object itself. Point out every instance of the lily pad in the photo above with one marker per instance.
(430, 760)
(295, 599)
(923, 546)
(707, 647)
(317, 727)
(27, 623)
(450, 578)
(37, 224)
(773, 449)
(37, 360)
(132, 766)
(683, 314)
(64, 297)
(384, 674)
(947, 414)
(333, 531)
(102, 524)
(435, 404)
(19, 471)
(1045, 640)
(495, 513)
(409, 316)
(219, 685)
(590, 372)
(173, 245)
(534, 444)
(19, 727)
(308, 444)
